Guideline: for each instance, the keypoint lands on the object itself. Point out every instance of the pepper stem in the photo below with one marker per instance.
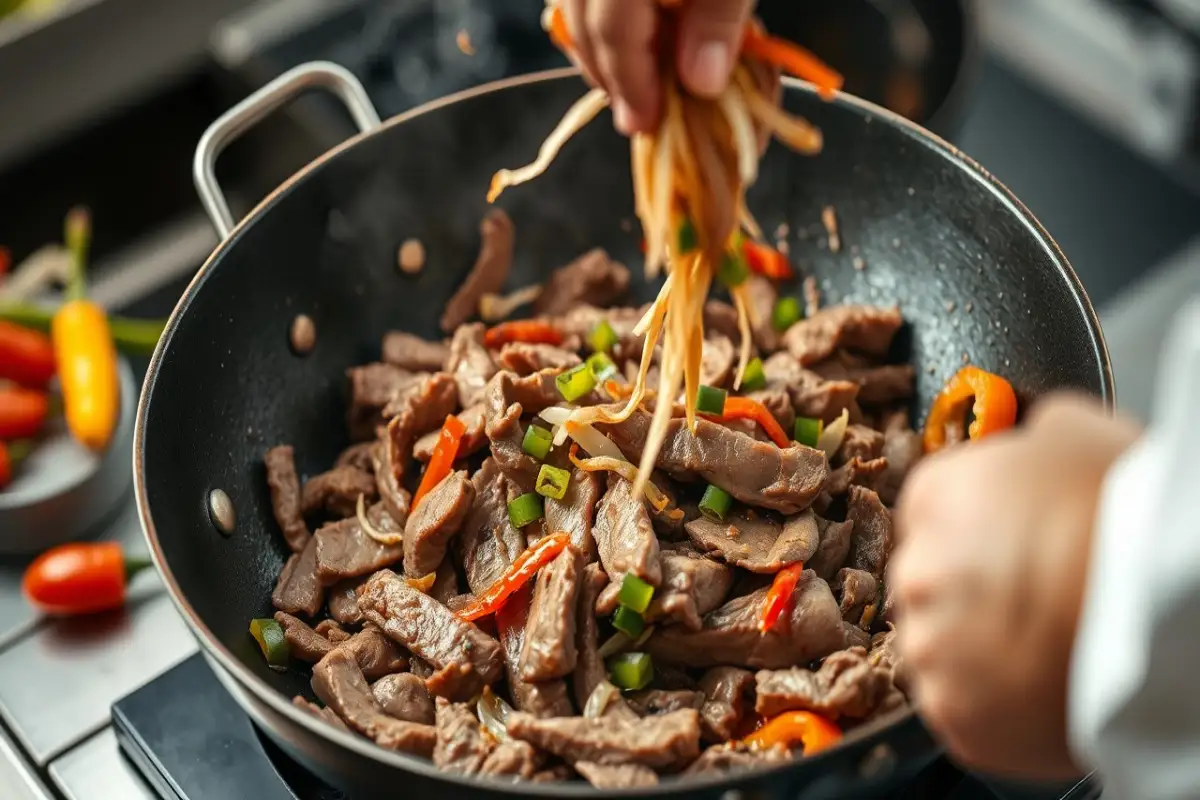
(134, 565)
(78, 235)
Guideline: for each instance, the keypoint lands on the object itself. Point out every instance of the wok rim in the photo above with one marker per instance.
(264, 693)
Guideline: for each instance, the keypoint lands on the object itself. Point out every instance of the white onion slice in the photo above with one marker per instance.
(593, 441)
(556, 415)
(493, 714)
(599, 700)
(495, 307)
(370, 530)
(831, 438)
(617, 643)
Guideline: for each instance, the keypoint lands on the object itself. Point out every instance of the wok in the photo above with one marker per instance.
(932, 228)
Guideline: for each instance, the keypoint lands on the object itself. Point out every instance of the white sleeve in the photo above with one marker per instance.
(1134, 691)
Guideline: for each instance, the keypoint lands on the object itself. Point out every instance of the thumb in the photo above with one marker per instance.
(710, 33)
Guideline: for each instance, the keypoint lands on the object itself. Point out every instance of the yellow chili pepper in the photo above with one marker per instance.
(83, 347)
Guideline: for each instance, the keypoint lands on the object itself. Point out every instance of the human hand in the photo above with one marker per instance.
(614, 44)
(988, 578)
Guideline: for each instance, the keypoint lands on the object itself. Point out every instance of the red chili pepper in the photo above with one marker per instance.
(518, 574)
(22, 412)
(790, 728)
(989, 396)
(80, 578)
(530, 331)
(747, 408)
(766, 261)
(11, 454)
(792, 58)
(26, 356)
(442, 460)
(779, 596)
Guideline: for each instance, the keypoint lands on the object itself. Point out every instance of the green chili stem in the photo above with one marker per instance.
(78, 235)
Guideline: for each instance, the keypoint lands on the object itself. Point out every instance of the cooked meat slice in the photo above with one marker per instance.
(863, 329)
(467, 658)
(734, 756)
(413, 353)
(473, 419)
(497, 236)
(580, 320)
(872, 539)
(590, 671)
(856, 589)
(395, 498)
(337, 491)
(298, 590)
(340, 684)
(722, 318)
(692, 585)
(445, 585)
(488, 542)
(331, 630)
(343, 601)
(544, 699)
(593, 279)
(285, 495)
(779, 403)
(902, 447)
(549, 650)
(876, 384)
(761, 297)
(361, 455)
(375, 654)
(526, 359)
(846, 685)
(859, 442)
(854, 472)
(462, 745)
(511, 758)
(730, 635)
(755, 542)
(757, 473)
(575, 513)
(304, 642)
(404, 696)
(664, 701)
(326, 714)
(559, 772)
(726, 692)
(625, 540)
(434, 521)
(883, 653)
(811, 395)
(620, 776)
(470, 363)
(372, 388)
(420, 667)
(717, 362)
(856, 636)
(344, 550)
(422, 410)
(833, 549)
(666, 742)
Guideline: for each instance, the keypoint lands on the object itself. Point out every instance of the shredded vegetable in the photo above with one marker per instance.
(626, 469)
(495, 307)
(600, 699)
(371, 530)
(833, 434)
(493, 714)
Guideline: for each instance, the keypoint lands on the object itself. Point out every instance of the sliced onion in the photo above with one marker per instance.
(626, 470)
(617, 643)
(599, 700)
(495, 307)
(493, 714)
(831, 438)
(370, 530)
(743, 319)
(593, 441)
(556, 415)
(646, 634)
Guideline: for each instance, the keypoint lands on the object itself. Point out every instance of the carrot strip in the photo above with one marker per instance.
(792, 58)
(442, 460)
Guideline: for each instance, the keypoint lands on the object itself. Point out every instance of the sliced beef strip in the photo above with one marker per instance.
(590, 671)
(344, 550)
(420, 667)
(625, 540)
(343, 601)
(846, 685)
(717, 361)
(833, 549)
(692, 585)
(854, 472)
(464, 748)
(337, 491)
(663, 701)
(554, 774)
(372, 388)
(623, 776)
(404, 696)
(859, 442)
(665, 742)
(434, 521)
(470, 363)
(340, 684)
(526, 359)
(497, 236)
(856, 636)
(511, 759)
(902, 447)
(395, 498)
(756, 542)
(375, 654)
(811, 395)
(720, 317)
(305, 643)
(280, 462)
(326, 714)
(543, 699)
(575, 513)
(298, 590)
(733, 757)
(856, 589)
(730, 636)
(332, 631)
(593, 279)
(876, 384)
(445, 585)
(761, 297)
(361, 455)
(413, 353)
(883, 653)
(488, 543)
(728, 693)
(549, 650)
(422, 410)
(473, 440)
(872, 539)
(779, 403)
(466, 657)
(864, 329)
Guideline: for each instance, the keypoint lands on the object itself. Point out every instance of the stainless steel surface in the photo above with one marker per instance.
(221, 511)
(246, 114)
(96, 769)
(17, 779)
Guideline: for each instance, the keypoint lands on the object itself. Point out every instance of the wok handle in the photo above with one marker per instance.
(248, 113)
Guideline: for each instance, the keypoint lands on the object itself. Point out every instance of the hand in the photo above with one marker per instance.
(615, 46)
(988, 579)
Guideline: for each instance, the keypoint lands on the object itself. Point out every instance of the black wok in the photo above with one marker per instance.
(932, 228)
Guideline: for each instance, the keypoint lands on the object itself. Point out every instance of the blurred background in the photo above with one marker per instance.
(1088, 109)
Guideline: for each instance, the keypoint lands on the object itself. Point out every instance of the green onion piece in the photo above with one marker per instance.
(628, 622)
(631, 671)
(808, 431)
(710, 400)
(272, 642)
(575, 382)
(603, 338)
(602, 366)
(687, 237)
(552, 482)
(754, 378)
(537, 442)
(635, 593)
(715, 503)
(733, 270)
(786, 313)
(525, 509)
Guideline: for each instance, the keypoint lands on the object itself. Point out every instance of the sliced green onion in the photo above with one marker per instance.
(710, 400)
(635, 594)
(272, 642)
(525, 509)
(537, 442)
(603, 338)
(715, 503)
(808, 431)
(786, 313)
(754, 378)
(631, 671)
(602, 366)
(628, 622)
(575, 382)
(687, 237)
(552, 482)
(733, 270)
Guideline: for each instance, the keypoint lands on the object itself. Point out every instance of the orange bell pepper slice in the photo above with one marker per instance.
(766, 261)
(442, 460)
(746, 408)
(989, 396)
(536, 556)
(814, 732)
(779, 596)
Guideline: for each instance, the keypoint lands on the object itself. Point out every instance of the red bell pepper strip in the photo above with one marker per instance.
(989, 396)
(536, 556)
(26, 356)
(766, 261)
(790, 728)
(22, 412)
(530, 331)
(441, 462)
(80, 578)
(11, 454)
(792, 58)
(779, 596)
(747, 408)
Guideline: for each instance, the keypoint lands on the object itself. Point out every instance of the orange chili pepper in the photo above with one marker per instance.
(792, 58)
(813, 731)
(536, 556)
(441, 462)
(746, 408)
(80, 578)
(989, 396)
(530, 331)
(779, 596)
(766, 261)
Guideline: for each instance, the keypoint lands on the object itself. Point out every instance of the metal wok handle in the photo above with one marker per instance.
(248, 113)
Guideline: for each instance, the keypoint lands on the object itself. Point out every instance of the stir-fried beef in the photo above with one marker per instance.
(717, 361)
(620, 776)
(734, 756)
(856, 636)
(434, 521)
(337, 491)
(331, 630)
(395, 498)
(779, 403)
(872, 539)
(445, 584)
(728, 693)
(811, 395)
(298, 590)
(833, 549)
(488, 542)
(877, 384)
(423, 409)
(375, 654)
(859, 442)
(575, 513)
(580, 320)
(664, 701)
(856, 589)
(720, 317)
(470, 363)
(466, 657)
(421, 668)
(343, 601)
(755, 542)
(902, 447)
(544, 699)
(473, 440)
(593, 279)
(854, 472)
(511, 759)
(361, 455)
(864, 329)
(526, 359)
(326, 714)
(549, 650)
(692, 585)
(846, 685)
(730, 635)
(405, 697)
(625, 539)
(464, 748)
(345, 550)
(489, 273)
(507, 398)
(372, 388)
(761, 297)
(883, 653)
(413, 353)
(285, 495)
(303, 642)
(667, 741)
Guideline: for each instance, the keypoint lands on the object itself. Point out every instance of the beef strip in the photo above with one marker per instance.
(579, 321)
(413, 353)
(758, 473)
(811, 395)
(423, 409)
(332, 631)
(730, 635)
(622, 776)
(488, 542)
(473, 440)
(590, 671)
(665, 742)
(372, 388)
(489, 273)
(343, 601)
(543, 699)
(625, 540)
(285, 495)
(549, 650)
(395, 498)
(375, 654)
(462, 745)
(511, 759)
(298, 590)
(779, 403)
(854, 472)
(902, 447)
(726, 691)
(722, 318)
(733, 757)
(761, 297)
(345, 550)
(833, 549)
(856, 636)
(575, 513)
(717, 361)
(361, 455)
(337, 491)
(865, 329)
(445, 585)
(593, 279)
(883, 653)
(434, 521)
(340, 684)
(846, 685)
(876, 384)
(872, 539)
(470, 363)
(466, 657)
(420, 667)
(405, 697)
(648, 702)
(756, 542)
(692, 585)
(326, 714)
(526, 359)
(856, 589)
(303, 642)
(859, 442)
